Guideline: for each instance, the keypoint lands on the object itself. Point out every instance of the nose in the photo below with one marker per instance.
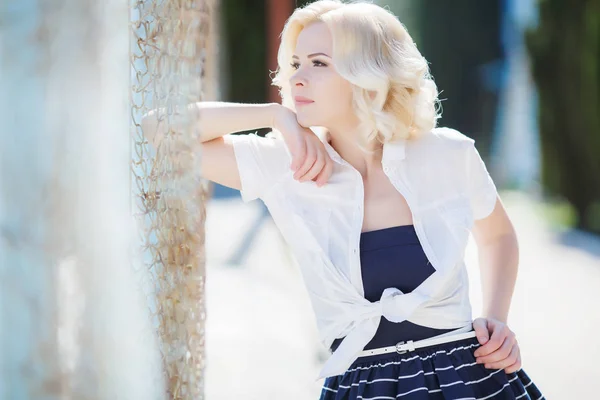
(297, 79)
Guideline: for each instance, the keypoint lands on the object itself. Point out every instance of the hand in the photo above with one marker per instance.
(501, 350)
(310, 159)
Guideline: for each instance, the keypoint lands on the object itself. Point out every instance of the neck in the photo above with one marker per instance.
(345, 143)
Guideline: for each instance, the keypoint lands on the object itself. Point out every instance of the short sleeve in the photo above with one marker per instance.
(481, 187)
(261, 163)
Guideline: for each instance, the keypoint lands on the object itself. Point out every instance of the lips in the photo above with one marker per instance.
(301, 100)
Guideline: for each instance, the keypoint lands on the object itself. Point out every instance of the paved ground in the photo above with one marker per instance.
(262, 341)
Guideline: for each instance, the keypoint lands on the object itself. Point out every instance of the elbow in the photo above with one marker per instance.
(506, 244)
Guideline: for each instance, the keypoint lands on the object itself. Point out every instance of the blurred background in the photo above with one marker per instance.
(521, 77)
(228, 312)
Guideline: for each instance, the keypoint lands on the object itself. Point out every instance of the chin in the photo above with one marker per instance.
(304, 121)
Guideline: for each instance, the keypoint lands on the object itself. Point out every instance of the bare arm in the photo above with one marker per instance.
(498, 261)
(215, 120)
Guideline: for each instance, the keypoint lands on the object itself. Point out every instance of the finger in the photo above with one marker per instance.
(500, 354)
(315, 169)
(307, 163)
(327, 163)
(299, 156)
(481, 330)
(515, 367)
(496, 340)
(325, 173)
(506, 361)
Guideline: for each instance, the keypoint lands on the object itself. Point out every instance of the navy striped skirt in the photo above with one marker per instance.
(394, 257)
(446, 371)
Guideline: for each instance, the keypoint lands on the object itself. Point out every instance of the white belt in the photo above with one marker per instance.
(403, 347)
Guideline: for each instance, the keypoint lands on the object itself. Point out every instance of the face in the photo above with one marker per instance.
(320, 95)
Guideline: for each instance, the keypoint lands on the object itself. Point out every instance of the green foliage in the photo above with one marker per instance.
(244, 40)
(559, 213)
(565, 56)
(244, 27)
(458, 37)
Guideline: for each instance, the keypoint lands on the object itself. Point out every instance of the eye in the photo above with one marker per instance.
(316, 63)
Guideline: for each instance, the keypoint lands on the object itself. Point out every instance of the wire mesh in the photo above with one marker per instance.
(169, 47)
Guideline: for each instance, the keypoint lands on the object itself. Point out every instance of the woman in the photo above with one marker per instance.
(377, 205)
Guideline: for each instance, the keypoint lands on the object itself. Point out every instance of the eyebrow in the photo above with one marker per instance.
(312, 55)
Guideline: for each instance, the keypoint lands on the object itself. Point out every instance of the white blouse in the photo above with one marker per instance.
(446, 185)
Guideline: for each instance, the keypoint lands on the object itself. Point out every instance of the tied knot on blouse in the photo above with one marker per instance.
(394, 305)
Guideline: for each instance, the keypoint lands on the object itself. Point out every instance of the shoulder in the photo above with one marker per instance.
(439, 157)
(442, 142)
(451, 137)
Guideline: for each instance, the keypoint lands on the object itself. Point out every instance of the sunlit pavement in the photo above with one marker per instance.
(555, 309)
(261, 337)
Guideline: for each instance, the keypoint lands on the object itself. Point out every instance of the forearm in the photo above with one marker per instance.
(498, 261)
(213, 119)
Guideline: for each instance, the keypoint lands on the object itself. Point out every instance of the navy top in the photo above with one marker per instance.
(393, 257)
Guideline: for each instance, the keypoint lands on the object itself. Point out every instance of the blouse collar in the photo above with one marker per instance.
(392, 151)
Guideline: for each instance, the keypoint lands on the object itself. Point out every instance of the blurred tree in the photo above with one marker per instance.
(460, 38)
(302, 3)
(244, 30)
(565, 57)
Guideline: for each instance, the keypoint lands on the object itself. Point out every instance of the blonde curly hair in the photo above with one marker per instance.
(394, 94)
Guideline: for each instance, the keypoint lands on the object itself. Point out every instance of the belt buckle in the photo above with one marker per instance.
(398, 348)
